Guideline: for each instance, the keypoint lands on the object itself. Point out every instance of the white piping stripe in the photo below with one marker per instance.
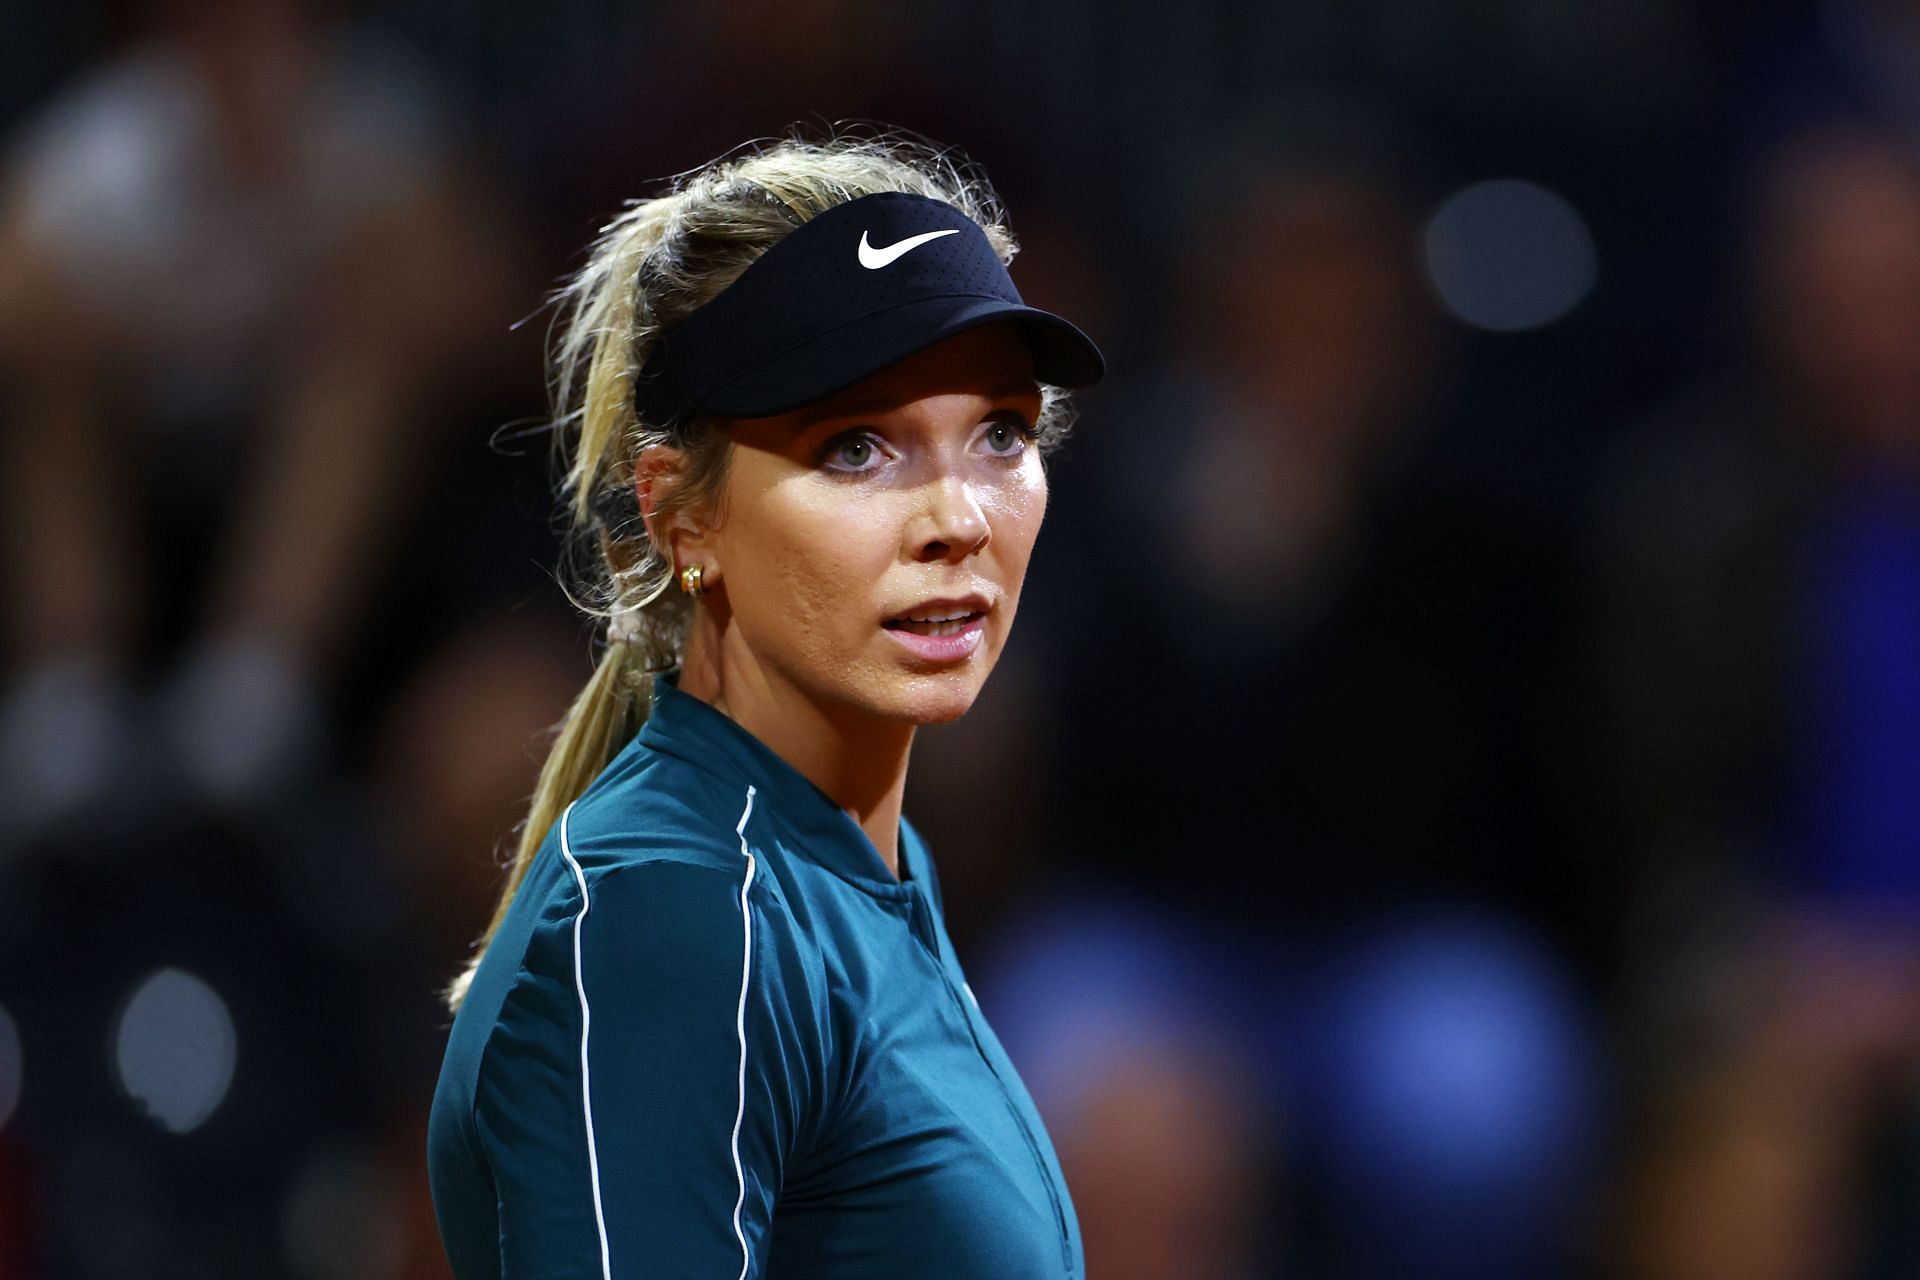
(740, 1025)
(586, 1018)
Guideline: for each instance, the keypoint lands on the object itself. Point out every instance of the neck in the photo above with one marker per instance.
(857, 759)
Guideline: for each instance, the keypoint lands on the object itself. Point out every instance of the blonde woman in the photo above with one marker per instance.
(716, 1026)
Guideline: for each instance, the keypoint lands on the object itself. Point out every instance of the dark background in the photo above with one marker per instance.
(1451, 806)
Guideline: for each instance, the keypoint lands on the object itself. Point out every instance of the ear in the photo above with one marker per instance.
(684, 535)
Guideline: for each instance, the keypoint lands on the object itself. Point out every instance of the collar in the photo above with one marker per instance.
(691, 729)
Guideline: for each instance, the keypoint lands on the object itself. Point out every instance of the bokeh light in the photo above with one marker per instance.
(174, 1048)
(1509, 255)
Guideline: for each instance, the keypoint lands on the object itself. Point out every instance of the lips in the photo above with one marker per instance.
(940, 642)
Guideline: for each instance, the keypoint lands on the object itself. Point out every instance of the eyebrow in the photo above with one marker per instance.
(863, 408)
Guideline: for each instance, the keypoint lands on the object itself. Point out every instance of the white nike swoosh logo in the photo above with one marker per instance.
(873, 259)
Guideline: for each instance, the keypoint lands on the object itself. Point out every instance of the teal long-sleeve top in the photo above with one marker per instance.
(715, 1037)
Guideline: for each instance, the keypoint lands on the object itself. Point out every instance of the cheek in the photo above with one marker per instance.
(1016, 509)
(823, 559)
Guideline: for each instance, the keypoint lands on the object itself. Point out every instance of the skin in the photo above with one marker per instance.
(945, 497)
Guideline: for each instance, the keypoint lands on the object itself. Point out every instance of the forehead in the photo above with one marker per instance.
(993, 361)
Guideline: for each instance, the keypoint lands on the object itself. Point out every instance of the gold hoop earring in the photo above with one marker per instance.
(690, 580)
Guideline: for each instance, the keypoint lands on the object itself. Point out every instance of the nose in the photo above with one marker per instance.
(953, 525)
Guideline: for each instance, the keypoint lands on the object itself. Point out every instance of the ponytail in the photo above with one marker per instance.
(604, 715)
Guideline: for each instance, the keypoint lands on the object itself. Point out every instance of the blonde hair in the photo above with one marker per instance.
(652, 266)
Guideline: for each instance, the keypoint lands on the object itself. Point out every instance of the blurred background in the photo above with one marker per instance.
(1452, 803)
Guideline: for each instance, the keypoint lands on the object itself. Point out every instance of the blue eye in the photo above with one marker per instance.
(840, 444)
(1009, 423)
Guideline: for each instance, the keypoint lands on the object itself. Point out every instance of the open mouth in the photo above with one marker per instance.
(945, 627)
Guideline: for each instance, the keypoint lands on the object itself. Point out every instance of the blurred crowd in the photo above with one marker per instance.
(1451, 807)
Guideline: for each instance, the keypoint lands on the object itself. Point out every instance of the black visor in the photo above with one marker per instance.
(844, 295)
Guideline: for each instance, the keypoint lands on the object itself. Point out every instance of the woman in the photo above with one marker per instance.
(717, 1027)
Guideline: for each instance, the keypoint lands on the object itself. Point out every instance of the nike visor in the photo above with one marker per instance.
(847, 293)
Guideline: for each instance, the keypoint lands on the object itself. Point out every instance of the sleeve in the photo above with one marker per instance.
(693, 1069)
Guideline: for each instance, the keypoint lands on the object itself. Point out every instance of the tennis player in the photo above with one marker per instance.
(716, 1027)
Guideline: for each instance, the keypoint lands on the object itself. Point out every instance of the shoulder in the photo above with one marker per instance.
(662, 858)
(679, 919)
(647, 808)
(656, 866)
(674, 950)
(659, 944)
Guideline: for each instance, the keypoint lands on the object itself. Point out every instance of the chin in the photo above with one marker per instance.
(935, 697)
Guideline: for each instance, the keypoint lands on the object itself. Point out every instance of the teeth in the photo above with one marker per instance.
(944, 627)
